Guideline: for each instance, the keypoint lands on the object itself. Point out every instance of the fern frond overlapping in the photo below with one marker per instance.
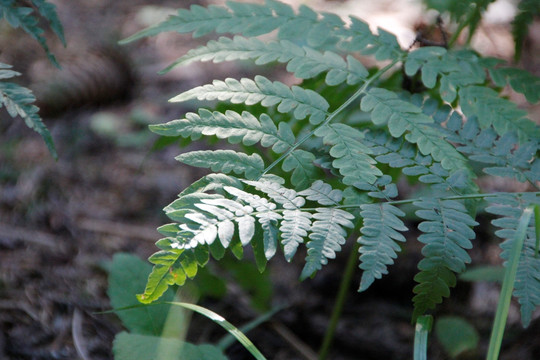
(509, 209)
(403, 117)
(202, 219)
(351, 157)
(462, 75)
(500, 152)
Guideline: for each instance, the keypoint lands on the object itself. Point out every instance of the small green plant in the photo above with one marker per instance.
(317, 163)
(17, 99)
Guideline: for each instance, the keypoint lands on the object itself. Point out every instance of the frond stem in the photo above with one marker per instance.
(330, 117)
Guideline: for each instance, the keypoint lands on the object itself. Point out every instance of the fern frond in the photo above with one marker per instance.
(249, 20)
(326, 238)
(447, 234)
(351, 156)
(501, 153)
(304, 62)
(19, 101)
(490, 109)
(299, 101)
(23, 17)
(509, 208)
(403, 117)
(380, 236)
(379, 240)
(225, 161)
(232, 126)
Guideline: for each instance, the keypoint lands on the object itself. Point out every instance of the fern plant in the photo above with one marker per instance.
(18, 100)
(317, 163)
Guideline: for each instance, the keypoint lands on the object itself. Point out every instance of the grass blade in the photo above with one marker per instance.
(218, 319)
(499, 324)
(421, 331)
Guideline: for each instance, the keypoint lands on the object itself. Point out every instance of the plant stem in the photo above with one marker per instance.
(340, 301)
(499, 323)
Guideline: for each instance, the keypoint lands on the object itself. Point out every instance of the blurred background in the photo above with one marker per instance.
(61, 222)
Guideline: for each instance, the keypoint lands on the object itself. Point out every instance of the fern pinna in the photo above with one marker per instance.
(351, 132)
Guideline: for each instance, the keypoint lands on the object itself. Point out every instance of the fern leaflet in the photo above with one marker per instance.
(225, 161)
(19, 101)
(380, 232)
(446, 234)
(300, 102)
(23, 17)
(303, 62)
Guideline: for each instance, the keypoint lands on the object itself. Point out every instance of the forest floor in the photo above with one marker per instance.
(62, 222)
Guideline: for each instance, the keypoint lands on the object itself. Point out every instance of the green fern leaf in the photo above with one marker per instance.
(509, 208)
(225, 161)
(232, 126)
(402, 116)
(18, 16)
(294, 228)
(171, 267)
(326, 238)
(18, 102)
(48, 11)
(490, 109)
(249, 20)
(379, 240)
(303, 62)
(446, 234)
(300, 102)
(351, 155)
